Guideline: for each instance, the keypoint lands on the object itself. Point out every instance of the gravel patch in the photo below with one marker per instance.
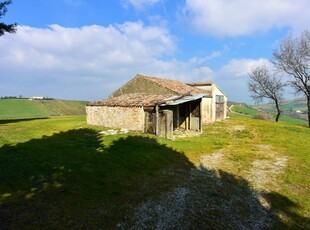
(202, 199)
(208, 197)
(212, 161)
(263, 173)
(165, 213)
(237, 128)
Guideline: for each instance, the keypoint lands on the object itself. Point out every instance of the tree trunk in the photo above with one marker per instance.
(308, 105)
(278, 110)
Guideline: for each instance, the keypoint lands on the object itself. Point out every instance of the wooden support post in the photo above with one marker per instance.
(186, 117)
(189, 116)
(157, 120)
(178, 116)
(200, 116)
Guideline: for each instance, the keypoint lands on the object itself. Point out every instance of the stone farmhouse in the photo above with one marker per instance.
(160, 106)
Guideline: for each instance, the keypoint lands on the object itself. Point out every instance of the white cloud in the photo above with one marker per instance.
(64, 61)
(199, 61)
(91, 62)
(242, 17)
(239, 68)
(233, 77)
(139, 4)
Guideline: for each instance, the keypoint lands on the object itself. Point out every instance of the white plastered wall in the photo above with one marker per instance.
(208, 111)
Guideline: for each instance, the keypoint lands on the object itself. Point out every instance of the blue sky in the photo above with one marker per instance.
(86, 49)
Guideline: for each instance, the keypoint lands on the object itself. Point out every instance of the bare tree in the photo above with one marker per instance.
(9, 28)
(293, 58)
(263, 84)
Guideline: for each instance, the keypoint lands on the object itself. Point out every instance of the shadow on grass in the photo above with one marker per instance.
(7, 121)
(71, 180)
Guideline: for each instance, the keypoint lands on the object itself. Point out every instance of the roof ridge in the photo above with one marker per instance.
(201, 83)
(160, 81)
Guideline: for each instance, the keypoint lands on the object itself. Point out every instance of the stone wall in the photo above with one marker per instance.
(116, 117)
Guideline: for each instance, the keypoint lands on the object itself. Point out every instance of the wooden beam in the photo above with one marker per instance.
(178, 116)
(200, 117)
(186, 117)
(190, 115)
(157, 120)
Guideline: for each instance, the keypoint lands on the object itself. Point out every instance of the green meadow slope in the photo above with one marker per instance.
(288, 105)
(23, 108)
(256, 112)
(293, 108)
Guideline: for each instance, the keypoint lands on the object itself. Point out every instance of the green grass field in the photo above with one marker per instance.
(245, 110)
(292, 120)
(59, 173)
(23, 108)
(254, 113)
(297, 104)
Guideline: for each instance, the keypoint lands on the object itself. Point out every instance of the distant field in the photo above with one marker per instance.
(294, 105)
(245, 110)
(292, 120)
(290, 105)
(241, 173)
(23, 108)
(254, 112)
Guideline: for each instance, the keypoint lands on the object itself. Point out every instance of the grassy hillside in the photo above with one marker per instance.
(291, 108)
(289, 105)
(292, 120)
(242, 173)
(260, 114)
(295, 105)
(23, 108)
(245, 110)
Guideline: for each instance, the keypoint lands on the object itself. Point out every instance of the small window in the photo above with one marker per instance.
(219, 99)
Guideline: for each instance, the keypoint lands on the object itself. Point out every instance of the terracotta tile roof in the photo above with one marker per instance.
(131, 100)
(200, 83)
(173, 85)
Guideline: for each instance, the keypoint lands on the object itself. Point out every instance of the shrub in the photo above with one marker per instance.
(262, 116)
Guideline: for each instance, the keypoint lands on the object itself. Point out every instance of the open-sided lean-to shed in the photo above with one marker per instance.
(156, 114)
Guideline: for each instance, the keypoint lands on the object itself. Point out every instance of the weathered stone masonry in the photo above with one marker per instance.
(115, 117)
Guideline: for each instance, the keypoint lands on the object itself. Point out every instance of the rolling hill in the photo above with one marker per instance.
(24, 108)
(294, 108)
(265, 114)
